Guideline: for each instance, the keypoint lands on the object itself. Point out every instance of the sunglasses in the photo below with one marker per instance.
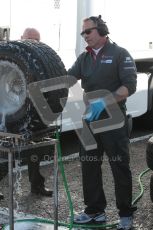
(88, 31)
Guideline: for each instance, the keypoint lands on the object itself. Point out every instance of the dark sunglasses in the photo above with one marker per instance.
(87, 31)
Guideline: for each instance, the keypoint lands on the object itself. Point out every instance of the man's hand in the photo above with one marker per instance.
(94, 110)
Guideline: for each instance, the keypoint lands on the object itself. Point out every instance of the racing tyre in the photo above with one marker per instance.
(151, 188)
(149, 153)
(23, 62)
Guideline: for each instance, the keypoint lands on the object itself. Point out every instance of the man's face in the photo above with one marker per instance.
(91, 35)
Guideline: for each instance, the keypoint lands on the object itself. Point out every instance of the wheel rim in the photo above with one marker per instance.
(12, 88)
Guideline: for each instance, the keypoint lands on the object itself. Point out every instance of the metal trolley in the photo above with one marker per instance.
(12, 143)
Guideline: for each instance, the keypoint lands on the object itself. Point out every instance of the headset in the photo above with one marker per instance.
(101, 25)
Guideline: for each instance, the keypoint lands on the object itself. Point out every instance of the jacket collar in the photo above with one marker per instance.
(90, 50)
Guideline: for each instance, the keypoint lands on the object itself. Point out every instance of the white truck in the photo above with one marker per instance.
(59, 23)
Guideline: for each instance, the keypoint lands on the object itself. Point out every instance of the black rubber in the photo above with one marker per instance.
(149, 153)
(38, 62)
(151, 188)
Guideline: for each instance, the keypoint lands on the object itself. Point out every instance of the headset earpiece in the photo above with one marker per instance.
(101, 25)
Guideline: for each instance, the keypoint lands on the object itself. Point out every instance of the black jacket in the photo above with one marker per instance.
(114, 67)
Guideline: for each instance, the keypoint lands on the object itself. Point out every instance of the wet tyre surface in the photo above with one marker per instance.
(31, 61)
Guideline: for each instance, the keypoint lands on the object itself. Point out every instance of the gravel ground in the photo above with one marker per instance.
(25, 203)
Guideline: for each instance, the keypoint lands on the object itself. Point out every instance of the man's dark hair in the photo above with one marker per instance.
(100, 24)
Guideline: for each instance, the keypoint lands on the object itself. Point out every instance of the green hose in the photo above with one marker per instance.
(70, 201)
(64, 180)
(141, 186)
(71, 224)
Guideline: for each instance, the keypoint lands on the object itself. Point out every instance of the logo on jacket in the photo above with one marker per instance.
(128, 60)
(106, 59)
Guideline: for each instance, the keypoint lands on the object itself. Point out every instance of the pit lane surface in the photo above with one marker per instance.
(34, 206)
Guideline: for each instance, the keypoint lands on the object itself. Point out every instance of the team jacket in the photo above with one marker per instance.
(112, 68)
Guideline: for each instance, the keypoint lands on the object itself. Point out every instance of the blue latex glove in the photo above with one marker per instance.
(94, 110)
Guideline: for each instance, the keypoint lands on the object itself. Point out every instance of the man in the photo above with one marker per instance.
(35, 178)
(105, 66)
(31, 33)
(3, 172)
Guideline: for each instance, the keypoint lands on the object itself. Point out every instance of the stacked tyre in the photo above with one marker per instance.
(23, 62)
